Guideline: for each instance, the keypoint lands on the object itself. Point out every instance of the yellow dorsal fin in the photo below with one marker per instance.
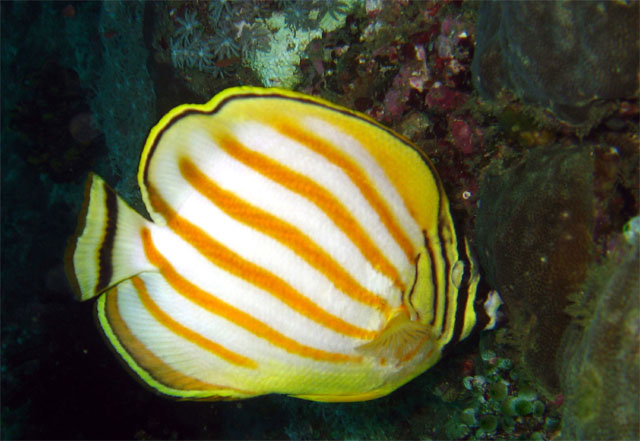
(399, 340)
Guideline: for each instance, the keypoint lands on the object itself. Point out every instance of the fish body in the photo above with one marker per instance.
(294, 247)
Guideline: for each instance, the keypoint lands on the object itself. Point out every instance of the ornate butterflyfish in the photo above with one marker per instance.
(294, 247)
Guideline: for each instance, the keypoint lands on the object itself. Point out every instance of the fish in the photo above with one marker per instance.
(294, 247)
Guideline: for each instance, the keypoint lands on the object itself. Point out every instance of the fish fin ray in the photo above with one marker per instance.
(107, 247)
(399, 339)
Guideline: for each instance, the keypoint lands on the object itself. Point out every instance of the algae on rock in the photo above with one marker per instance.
(601, 361)
(572, 58)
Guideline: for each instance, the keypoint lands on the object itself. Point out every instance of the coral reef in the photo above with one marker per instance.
(406, 63)
(600, 366)
(499, 404)
(193, 47)
(222, 37)
(292, 32)
(188, 26)
(572, 58)
(533, 230)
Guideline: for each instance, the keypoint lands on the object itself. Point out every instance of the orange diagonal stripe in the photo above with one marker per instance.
(357, 176)
(233, 263)
(282, 231)
(231, 313)
(147, 360)
(308, 188)
(187, 333)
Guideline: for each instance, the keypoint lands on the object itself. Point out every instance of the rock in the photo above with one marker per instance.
(569, 57)
(601, 362)
(534, 240)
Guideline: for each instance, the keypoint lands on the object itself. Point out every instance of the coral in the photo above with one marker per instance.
(387, 64)
(222, 36)
(181, 55)
(308, 14)
(465, 136)
(499, 404)
(196, 53)
(444, 99)
(617, 173)
(293, 29)
(569, 57)
(218, 9)
(534, 232)
(601, 364)
(188, 27)
(269, 37)
(632, 229)
(335, 9)
(517, 126)
(211, 40)
(257, 38)
(224, 46)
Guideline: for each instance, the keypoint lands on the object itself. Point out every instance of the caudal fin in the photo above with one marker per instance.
(107, 247)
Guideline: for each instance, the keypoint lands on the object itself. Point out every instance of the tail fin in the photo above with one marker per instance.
(107, 247)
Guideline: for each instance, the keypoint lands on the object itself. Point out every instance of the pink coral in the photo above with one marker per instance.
(413, 75)
(444, 98)
(464, 134)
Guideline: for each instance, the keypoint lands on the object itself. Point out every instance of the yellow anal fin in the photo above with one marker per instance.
(400, 340)
(365, 396)
(107, 247)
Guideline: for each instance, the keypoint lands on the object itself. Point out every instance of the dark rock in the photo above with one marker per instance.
(601, 365)
(534, 240)
(568, 57)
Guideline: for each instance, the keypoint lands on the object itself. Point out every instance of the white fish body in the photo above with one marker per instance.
(295, 247)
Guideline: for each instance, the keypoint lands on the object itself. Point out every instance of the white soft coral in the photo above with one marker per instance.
(196, 53)
(189, 25)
